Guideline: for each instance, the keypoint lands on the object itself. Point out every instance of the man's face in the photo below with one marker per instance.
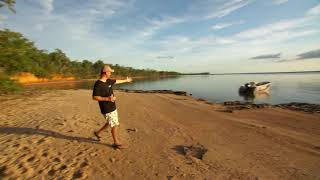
(108, 73)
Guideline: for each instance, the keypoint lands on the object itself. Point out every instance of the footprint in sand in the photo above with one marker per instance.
(63, 167)
(51, 172)
(57, 160)
(31, 159)
(16, 145)
(77, 174)
(23, 155)
(8, 141)
(76, 117)
(84, 164)
(24, 170)
(20, 165)
(45, 154)
(93, 154)
(3, 171)
(41, 141)
(59, 124)
(25, 148)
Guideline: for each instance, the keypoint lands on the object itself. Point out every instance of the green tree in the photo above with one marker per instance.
(97, 66)
(87, 69)
(18, 54)
(58, 62)
(15, 52)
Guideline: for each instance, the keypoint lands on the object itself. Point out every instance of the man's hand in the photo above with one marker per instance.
(112, 98)
(129, 79)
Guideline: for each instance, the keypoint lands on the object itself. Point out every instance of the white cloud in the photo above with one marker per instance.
(272, 28)
(227, 8)
(181, 45)
(47, 5)
(213, 9)
(267, 38)
(282, 36)
(156, 24)
(220, 26)
(258, 40)
(105, 8)
(280, 1)
(315, 11)
(225, 25)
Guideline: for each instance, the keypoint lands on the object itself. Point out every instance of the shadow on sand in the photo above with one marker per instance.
(47, 133)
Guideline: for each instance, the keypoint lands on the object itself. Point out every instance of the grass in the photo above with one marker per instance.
(8, 86)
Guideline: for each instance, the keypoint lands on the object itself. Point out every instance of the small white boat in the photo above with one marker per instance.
(254, 87)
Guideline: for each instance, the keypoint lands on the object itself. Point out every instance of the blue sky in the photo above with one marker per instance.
(181, 35)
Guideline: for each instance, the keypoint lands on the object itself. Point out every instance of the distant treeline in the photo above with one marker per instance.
(203, 73)
(19, 54)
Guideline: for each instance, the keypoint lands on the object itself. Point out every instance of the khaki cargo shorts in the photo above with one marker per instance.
(112, 118)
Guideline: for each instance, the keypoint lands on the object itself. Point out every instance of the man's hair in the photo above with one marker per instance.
(105, 68)
(101, 71)
(102, 68)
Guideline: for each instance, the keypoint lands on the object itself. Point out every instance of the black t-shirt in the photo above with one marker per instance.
(104, 89)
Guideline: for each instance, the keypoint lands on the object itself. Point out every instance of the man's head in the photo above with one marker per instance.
(106, 71)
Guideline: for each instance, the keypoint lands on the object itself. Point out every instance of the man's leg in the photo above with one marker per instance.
(114, 132)
(103, 128)
(117, 143)
(114, 123)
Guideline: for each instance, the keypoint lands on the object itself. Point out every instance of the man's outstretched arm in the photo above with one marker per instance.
(119, 81)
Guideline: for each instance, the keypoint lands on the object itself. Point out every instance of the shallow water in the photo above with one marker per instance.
(290, 87)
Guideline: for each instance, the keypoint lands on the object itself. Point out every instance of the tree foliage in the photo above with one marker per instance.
(18, 54)
(8, 3)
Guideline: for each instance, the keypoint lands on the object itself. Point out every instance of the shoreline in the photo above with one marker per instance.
(239, 105)
(84, 80)
(231, 106)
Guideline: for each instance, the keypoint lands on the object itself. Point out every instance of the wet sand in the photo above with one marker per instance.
(49, 136)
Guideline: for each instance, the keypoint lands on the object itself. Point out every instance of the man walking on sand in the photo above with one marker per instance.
(103, 93)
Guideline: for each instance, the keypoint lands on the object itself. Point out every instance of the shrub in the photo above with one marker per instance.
(8, 86)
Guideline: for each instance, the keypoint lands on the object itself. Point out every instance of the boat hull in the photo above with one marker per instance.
(259, 87)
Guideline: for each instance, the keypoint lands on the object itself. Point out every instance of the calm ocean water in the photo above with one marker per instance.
(290, 87)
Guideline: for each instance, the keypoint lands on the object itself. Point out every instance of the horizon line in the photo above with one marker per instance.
(318, 71)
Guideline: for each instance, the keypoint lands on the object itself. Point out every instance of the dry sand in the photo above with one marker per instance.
(49, 136)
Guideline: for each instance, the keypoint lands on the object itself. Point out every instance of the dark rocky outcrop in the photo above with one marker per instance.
(305, 107)
(194, 151)
(237, 105)
(295, 106)
(180, 93)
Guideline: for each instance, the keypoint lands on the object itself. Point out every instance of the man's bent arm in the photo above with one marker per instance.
(100, 98)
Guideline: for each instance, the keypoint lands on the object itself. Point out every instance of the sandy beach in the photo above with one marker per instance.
(50, 136)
